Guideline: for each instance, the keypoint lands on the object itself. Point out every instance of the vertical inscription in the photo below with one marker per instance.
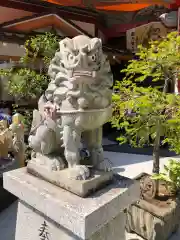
(43, 231)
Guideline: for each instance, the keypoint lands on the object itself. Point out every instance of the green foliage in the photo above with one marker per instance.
(171, 175)
(159, 61)
(41, 46)
(142, 112)
(145, 114)
(28, 81)
(25, 83)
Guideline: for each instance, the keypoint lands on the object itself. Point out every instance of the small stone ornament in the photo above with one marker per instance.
(72, 111)
(5, 139)
(12, 140)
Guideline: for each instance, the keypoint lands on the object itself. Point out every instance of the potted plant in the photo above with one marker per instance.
(146, 114)
(170, 176)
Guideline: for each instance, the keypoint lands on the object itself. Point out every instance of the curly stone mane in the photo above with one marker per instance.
(80, 75)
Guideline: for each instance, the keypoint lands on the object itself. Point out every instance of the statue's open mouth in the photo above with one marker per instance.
(84, 73)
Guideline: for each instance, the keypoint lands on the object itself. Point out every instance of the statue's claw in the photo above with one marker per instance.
(79, 172)
(105, 165)
(53, 163)
(58, 164)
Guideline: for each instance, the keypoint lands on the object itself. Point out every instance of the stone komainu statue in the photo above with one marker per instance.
(74, 107)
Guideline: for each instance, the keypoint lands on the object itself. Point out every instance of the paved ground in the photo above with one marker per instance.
(129, 165)
(8, 223)
(135, 237)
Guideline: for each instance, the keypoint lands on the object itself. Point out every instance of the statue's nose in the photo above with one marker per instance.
(82, 61)
(85, 49)
(83, 57)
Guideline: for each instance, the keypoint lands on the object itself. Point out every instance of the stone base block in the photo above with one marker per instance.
(50, 212)
(41, 227)
(82, 188)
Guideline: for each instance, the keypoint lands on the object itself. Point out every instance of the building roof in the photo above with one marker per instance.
(23, 17)
(56, 12)
(10, 14)
(38, 6)
(113, 5)
(27, 17)
(41, 22)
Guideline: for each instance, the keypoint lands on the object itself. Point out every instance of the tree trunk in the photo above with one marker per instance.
(156, 153)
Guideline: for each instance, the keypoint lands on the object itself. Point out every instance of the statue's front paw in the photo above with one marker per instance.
(79, 172)
(105, 165)
(58, 164)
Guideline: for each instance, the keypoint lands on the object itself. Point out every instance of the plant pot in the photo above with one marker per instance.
(154, 220)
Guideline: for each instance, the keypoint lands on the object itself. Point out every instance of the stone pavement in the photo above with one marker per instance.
(136, 237)
(129, 165)
(8, 222)
(132, 165)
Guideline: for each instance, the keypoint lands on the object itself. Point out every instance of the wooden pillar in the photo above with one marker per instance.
(96, 30)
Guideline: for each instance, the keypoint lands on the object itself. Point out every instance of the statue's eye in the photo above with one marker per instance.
(71, 57)
(93, 58)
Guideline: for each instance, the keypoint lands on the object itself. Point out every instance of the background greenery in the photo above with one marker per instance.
(145, 114)
(29, 78)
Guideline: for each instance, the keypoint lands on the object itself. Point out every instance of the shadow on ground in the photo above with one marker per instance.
(8, 222)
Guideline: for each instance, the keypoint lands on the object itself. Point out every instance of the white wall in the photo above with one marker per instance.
(11, 49)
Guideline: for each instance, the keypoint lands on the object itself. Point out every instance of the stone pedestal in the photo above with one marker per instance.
(47, 212)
